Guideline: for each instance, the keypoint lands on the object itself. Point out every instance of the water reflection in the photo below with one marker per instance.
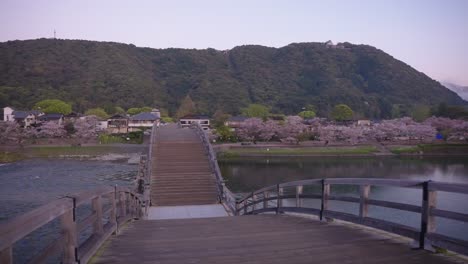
(248, 175)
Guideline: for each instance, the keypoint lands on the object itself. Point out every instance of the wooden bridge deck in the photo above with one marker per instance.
(255, 239)
(181, 173)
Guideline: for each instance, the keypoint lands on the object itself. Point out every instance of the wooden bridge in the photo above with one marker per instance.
(290, 222)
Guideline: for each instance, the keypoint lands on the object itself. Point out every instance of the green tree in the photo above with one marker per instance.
(99, 112)
(310, 107)
(136, 110)
(342, 112)
(307, 114)
(256, 110)
(421, 113)
(187, 107)
(53, 106)
(219, 117)
(225, 134)
(119, 110)
(167, 119)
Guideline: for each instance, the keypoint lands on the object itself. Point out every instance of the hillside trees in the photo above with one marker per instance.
(137, 110)
(342, 112)
(99, 112)
(256, 110)
(53, 106)
(187, 107)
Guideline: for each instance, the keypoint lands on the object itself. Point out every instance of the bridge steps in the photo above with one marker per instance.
(255, 239)
(181, 173)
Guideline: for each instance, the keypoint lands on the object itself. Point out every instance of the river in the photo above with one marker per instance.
(28, 184)
(247, 175)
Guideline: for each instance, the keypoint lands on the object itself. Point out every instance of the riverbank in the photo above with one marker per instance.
(108, 152)
(371, 150)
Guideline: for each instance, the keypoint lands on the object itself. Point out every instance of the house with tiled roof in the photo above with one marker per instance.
(24, 118)
(144, 120)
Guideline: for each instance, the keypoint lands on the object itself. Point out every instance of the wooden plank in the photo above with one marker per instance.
(21, 226)
(279, 200)
(299, 189)
(302, 210)
(428, 224)
(265, 201)
(363, 201)
(376, 182)
(324, 201)
(54, 248)
(70, 237)
(375, 223)
(450, 215)
(97, 210)
(301, 183)
(448, 187)
(453, 244)
(394, 205)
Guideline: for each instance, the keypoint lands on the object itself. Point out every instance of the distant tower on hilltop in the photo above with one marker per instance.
(55, 34)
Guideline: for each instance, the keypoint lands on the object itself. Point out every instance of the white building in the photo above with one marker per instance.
(188, 120)
(8, 114)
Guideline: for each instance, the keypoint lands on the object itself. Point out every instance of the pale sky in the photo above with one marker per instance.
(430, 35)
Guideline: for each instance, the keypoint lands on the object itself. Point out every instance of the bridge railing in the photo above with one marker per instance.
(273, 199)
(147, 191)
(224, 194)
(110, 209)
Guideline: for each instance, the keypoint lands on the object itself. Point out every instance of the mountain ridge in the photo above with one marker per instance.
(90, 74)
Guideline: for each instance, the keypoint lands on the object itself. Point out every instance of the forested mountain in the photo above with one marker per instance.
(91, 74)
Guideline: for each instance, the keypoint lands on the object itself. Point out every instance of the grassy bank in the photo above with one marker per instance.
(300, 151)
(431, 149)
(7, 157)
(57, 151)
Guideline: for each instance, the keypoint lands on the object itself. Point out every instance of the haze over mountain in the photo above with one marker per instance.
(462, 91)
(91, 74)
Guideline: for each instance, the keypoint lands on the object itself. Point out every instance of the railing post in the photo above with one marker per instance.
(237, 209)
(364, 197)
(70, 248)
(279, 200)
(298, 195)
(324, 203)
(123, 209)
(113, 214)
(97, 208)
(6, 255)
(245, 206)
(428, 224)
(254, 200)
(265, 199)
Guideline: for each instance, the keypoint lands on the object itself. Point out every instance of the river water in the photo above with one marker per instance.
(247, 175)
(28, 184)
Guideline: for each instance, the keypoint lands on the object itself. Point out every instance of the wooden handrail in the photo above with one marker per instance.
(426, 235)
(124, 205)
(224, 194)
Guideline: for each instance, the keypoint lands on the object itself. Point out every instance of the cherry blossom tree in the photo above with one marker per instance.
(250, 129)
(85, 129)
(51, 130)
(292, 129)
